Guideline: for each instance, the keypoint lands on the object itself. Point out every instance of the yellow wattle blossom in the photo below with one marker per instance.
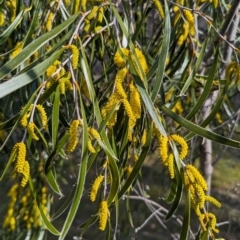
(231, 69)
(163, 149)
(2, 18)
(94, 133)
(75, 55)
(26, 173)
(159, 8)
(190, 20)
(143, 62)
(184, 146)
(19, 150)
(73, 138)
(182, 38)
(30, 127)
(17, 49)
(90, 147)
(100, 14)
(95, 187)
(93, 12)
(118, 59)
(24, 119)
(197, 176)
(43, 115)
(213, 201)
(12, 6)
(135, 101)
(103, 215)
(144, 137)
(49, 21)
(171, 165)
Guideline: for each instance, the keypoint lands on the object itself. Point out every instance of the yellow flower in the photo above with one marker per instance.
(31, 126)
(213, 201)
(171, 165)
(49, 21)
(190, 20)
(2, 18)
(75, 55)
(90, 147)
(17, 50)
(95, 187)
(163, 150)
(26, 174)
(43, 115)
(92, 13)
(20, 151)
(184, 147)
(159, 8)
(73, 135)
(231, 69)
(118, 59)
(135, 101)
(12, 5)
(100, 15)
(103, 215)
(144, 137)
(94, 133)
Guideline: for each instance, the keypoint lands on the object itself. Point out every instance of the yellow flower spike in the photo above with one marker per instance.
(184, 147)
(103, 215)
(94, 133)
(73, 138)
(84, 5)
(190, 20)
(171, 165)
(215, 3)
(67, 2)
(12, 5)
(144, 137)
(75, 55)
(90, 147)
(95, 187)
(68, 85)
(201, 197)
(128, 170)
(135, 101)
(26, 174)
(50, 71)
(159, 8)
(182, 38)
(31, 126)
(118, 59)
(49, 21)
(17, 49)
(93, 12)
(212, 221)
(120, 90)
(197, 175)
(163, 150)
(2, 18)
(100, 15)
(87, 25)
(143, 62)
(213, 201)
(43, 115)
(231, 69)
(76, 6)
(21, 151)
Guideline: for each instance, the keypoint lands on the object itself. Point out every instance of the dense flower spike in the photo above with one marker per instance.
(231, 70)
(100, 14)
(2, 18)
(12, 5)
(185, 30)
(159, 8)
(144, 137)
(17, 50)
(190, 20)
(73, 138)
(30, 127)
(26, 173)
(95, 187)
(163, 149)
(24, 119)
(143, 62)
(93, 12)
(184, 147)
(43, 115)
(171, 165)
(90, 147)
(75, 55)
(94, 133)
(103, 215)
(118, 59)
(19, 150)
(197, 176)
(213, 201)
(49, 21)
(135, 101)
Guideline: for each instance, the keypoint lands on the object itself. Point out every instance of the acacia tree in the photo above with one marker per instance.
(108, 80)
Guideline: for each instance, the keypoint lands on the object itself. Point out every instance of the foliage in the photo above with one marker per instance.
(109, 79)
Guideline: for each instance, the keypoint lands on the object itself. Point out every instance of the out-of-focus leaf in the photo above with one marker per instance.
(27, 77)
(55, 116)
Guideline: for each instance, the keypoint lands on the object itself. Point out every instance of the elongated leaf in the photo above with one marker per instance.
(45, 220)
(5, 35)
(186, 218)
(27, 77)
(10, 160)
(177, 198)
(51, 178)
(81, 178)
(34, 46)
(199, 130)
(163, 55)
(55, 116)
